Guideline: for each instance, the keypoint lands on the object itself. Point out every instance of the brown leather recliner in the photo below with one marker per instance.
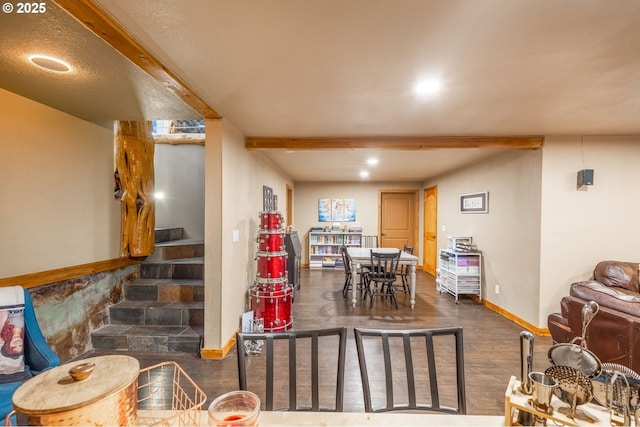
(614, 333)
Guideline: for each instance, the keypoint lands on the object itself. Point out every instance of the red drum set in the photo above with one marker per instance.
(271, 295)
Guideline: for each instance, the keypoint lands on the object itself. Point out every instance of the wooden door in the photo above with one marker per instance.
(430, 244)
(398, 219)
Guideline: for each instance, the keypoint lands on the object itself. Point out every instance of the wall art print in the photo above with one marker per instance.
(336, 210)
(474, 203)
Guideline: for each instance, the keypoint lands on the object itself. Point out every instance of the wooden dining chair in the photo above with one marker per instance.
(369, 241)
(404, 271)
(431, 361)
(284, 358)
(348, 265)
(382, 275)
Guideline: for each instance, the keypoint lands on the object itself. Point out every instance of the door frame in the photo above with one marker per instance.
(289, 205)
(424, 227)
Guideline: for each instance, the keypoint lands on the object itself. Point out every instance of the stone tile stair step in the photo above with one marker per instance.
(165, 290)
(166, 234)
(186, 268)
(177, 249)
(157, 313)
(146, 338)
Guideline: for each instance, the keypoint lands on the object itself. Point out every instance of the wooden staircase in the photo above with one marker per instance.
(163, 311)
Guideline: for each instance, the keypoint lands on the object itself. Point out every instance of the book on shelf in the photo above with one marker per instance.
(328, 262)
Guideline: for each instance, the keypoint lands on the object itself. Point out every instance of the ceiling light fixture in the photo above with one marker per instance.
(50, 63)
(372, 161)
(364, 174)
(427, 87)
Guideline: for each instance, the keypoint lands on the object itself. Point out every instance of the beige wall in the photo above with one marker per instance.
(541, 233)
(367, 197)
(508, 236)
(179, 175)
(234, 179)
(580, 228)
(56, 178)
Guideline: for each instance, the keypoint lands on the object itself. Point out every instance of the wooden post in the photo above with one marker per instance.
(135, 175)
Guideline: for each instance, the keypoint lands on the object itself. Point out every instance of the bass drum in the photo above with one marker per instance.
(274, 307)
(270, 285)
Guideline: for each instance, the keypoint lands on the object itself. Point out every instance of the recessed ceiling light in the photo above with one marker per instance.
(427, 87)
(50, 63)
(364, 174)
(159, 195)
(372, 161)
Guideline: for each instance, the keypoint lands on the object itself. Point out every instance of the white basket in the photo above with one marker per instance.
(168, 397)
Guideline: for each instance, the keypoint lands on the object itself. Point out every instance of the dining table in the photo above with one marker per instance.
(293, 418)
(362, 256)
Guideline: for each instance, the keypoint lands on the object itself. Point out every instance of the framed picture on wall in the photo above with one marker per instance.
(267, 198)
(348, 210)
(474, 203)
(324, 210)
(336, 210)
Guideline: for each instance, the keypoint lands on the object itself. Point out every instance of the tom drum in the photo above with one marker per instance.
(271, 220)
(271, 265)
(271, 241)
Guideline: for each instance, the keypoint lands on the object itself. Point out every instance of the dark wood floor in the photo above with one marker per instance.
(491, 342)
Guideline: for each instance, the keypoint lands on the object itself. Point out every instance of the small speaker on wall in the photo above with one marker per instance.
(585, 177)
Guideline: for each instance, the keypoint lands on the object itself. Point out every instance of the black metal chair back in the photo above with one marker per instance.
(346, 261)
(295, 349)
(383, 274)
(404, 271)
(437, 346)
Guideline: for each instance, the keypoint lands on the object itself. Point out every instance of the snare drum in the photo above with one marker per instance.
(271, 265)
(271, 241)
(271, 220)
(274, 307)
(269, 285)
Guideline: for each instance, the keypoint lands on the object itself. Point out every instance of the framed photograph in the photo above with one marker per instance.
(267, 198)
(474, 203)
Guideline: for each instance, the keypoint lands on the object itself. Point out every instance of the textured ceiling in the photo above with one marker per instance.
(345, 68)
(103, 87)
